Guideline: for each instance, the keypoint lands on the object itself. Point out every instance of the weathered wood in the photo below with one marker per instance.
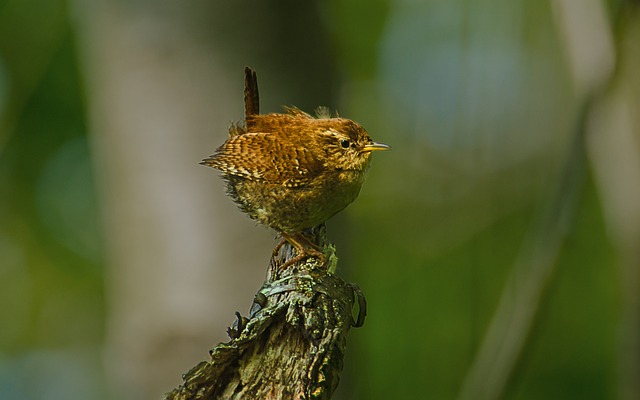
(293, 342)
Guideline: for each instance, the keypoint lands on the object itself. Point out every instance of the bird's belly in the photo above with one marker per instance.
(294, 209)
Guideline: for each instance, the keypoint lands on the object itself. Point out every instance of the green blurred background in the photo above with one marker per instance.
(497, 244)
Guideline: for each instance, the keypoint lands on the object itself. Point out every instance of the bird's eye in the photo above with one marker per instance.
(344, 143)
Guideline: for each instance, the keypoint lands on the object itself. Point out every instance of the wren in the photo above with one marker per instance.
(292, 171)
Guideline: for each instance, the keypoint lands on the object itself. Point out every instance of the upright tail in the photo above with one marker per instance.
(251, 96)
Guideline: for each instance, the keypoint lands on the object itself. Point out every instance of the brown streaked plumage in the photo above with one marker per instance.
(292, 171)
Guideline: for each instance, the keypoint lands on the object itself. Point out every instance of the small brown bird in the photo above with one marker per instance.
(293, 171)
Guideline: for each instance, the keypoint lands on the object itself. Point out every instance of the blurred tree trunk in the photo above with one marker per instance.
(164, 82)
(614, 152)
(160, 102)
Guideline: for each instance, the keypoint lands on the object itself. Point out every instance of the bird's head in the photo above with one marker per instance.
(346, 144)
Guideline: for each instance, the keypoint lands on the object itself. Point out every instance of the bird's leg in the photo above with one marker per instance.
(305, 248)
(276, 249)
(302, 243)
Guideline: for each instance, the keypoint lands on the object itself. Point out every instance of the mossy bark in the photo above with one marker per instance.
(293, 342)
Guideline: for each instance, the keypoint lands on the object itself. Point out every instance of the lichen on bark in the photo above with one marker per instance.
(292, 344)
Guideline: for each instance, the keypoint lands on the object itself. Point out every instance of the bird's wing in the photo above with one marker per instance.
(264, 156)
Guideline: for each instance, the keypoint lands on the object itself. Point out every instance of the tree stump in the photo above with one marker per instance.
(292, 344)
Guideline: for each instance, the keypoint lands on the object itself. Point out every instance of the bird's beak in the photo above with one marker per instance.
(373, 146)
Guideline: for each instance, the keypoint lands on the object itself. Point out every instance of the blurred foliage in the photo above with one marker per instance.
(50, 248)
(428, 313)
(477, 103)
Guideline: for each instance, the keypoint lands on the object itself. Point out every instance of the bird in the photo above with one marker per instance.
(291, 171)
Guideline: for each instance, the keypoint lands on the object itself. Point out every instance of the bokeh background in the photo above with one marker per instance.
(498, 244)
